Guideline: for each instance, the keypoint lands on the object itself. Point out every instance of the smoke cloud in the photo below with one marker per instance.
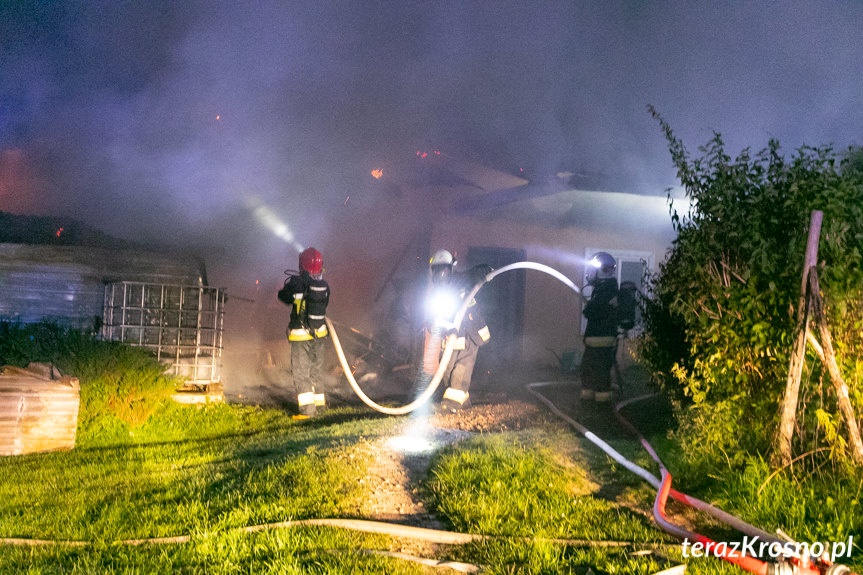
(173, 122)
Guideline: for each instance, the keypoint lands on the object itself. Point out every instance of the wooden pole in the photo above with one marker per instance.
(782, 447)
(839, 386)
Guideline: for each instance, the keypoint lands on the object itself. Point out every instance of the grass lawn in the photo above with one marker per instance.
(198, 471)
(207, 471)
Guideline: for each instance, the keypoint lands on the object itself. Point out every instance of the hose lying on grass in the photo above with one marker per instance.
(798, 565)
(794, 565)
(364, 525)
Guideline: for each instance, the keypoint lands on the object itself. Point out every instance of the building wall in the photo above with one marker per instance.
(67, 283)
(556, 231)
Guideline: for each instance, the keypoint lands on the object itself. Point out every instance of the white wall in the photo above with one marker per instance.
(555, 231)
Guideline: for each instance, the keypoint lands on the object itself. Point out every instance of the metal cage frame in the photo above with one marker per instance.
(181, 324)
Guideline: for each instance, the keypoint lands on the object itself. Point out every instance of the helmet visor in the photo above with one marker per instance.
(440, 274)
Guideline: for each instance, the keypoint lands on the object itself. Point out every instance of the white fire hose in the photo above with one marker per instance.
(450, 340)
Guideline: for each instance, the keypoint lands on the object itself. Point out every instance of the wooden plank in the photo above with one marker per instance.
(788, 408)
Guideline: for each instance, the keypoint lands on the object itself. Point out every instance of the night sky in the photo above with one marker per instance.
(175, 121)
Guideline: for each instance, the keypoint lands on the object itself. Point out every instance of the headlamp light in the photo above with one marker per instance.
(442, 304)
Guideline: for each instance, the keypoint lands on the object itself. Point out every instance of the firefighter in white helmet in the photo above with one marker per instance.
(600, 334)
(447, 291)
(308, 295)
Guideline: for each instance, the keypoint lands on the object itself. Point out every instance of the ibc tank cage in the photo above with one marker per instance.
(181, 324)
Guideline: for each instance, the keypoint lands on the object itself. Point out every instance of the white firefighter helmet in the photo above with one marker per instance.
(601, 267)
(440, 266)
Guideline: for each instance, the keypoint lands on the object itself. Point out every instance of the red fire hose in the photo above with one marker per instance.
(792, 565)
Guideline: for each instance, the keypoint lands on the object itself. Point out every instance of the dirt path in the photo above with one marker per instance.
(394, 478)
(400, 465)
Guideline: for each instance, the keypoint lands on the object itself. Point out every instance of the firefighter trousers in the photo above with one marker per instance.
(596, 365)
(458, 376)
(307, 368)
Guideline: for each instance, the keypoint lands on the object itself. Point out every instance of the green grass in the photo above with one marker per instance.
(145, 468)
(201, 471)
(527, 489)
(205, 471)
(808, 506)
(511, 485)
(188, 480)
(287, 551)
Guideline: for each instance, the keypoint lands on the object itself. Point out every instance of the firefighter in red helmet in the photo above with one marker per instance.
(308, 295)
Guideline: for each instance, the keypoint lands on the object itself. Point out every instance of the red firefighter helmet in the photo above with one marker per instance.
(311, 261)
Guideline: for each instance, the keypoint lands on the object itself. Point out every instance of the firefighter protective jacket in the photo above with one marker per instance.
(473, 327)
(601, 310)
(308, 298)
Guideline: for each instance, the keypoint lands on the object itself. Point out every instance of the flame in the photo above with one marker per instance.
(378, 173)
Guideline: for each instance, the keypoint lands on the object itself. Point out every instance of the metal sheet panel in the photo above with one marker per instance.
(37, 413)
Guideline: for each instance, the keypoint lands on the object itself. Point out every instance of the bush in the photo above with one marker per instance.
(42, 342)
(720, 321)
(121, 386)
(118, 384)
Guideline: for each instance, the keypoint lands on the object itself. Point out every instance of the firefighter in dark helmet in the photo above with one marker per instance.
(447, 291)
(600, 334)
(308, 295)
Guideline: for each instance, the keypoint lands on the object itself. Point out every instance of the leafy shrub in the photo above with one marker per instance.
(119, 382)
(121, 386)
(42, 342)
(720, 321)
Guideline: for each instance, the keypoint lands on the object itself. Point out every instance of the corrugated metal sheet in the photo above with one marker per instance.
(67, 283)
(37, 413)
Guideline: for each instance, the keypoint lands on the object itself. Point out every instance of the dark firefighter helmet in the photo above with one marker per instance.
(440, 266)
(311, 261)
(601, 267)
